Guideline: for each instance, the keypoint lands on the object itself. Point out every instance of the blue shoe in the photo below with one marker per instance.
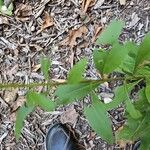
(60, 138)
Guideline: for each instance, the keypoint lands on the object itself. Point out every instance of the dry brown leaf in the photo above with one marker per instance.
(23, 12)
(10, 95)
(48, 21)
(86, 4)
(122, 2)
(69, 116)
(73, 35)
(97, 31)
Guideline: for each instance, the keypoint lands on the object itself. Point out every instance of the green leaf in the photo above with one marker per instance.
(45, 65)
(134, 113)
(128, 64)
(68, 93)
(98, 119)
(120, 96)
(111, 34)
(99, 57)
(145, 144)
(5, 10)
(143, 127)
(1, 3)
(75, 74)
(147, 90)
(126, 134)
(20, 117)
(145, 71)
(36, 99)
(141, 102)
(144, 51)
(115, 57)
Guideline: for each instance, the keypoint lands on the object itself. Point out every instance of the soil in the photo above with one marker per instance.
(22, 43)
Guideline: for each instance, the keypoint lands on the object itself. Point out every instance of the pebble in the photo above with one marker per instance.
(107, 100)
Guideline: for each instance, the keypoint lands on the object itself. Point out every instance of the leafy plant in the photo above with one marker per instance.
(6, 10)
(129, 59)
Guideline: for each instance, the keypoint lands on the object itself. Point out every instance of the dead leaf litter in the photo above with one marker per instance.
(65, 32)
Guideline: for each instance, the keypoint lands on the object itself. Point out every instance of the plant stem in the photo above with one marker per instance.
(53, 84)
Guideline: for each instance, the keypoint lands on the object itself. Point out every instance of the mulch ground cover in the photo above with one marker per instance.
(64, 31)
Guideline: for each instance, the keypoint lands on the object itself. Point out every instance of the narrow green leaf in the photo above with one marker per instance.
(144, 51)
(68, 93)
(20, 117)
(120, 96)
(141, 102)
(75, 74)
(147, 90)
(1, 3)
(128, 64)
(145, 144)
(132, 110)
(126, 134)
(134, 113)
(98, 119)
(36, 99)
(99, 57)
(115, 57)
(145, 71)
(5, 10)
(143, 127)
(111, 33)
(45, 65)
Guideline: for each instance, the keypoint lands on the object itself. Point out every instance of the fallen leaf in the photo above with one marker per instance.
(69, 116)
(48, 21)
(122, 2)
(23, 12)
(73, 35)
(86, 4)
(97, 31)
(17, 103)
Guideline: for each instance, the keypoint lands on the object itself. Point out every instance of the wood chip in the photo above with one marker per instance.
(19, 102)
(98, 4)
(122, 2)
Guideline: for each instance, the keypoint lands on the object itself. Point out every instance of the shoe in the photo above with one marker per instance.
(136, 146)
(60, 138)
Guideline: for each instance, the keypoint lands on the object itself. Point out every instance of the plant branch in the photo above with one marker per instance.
(53, 84)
